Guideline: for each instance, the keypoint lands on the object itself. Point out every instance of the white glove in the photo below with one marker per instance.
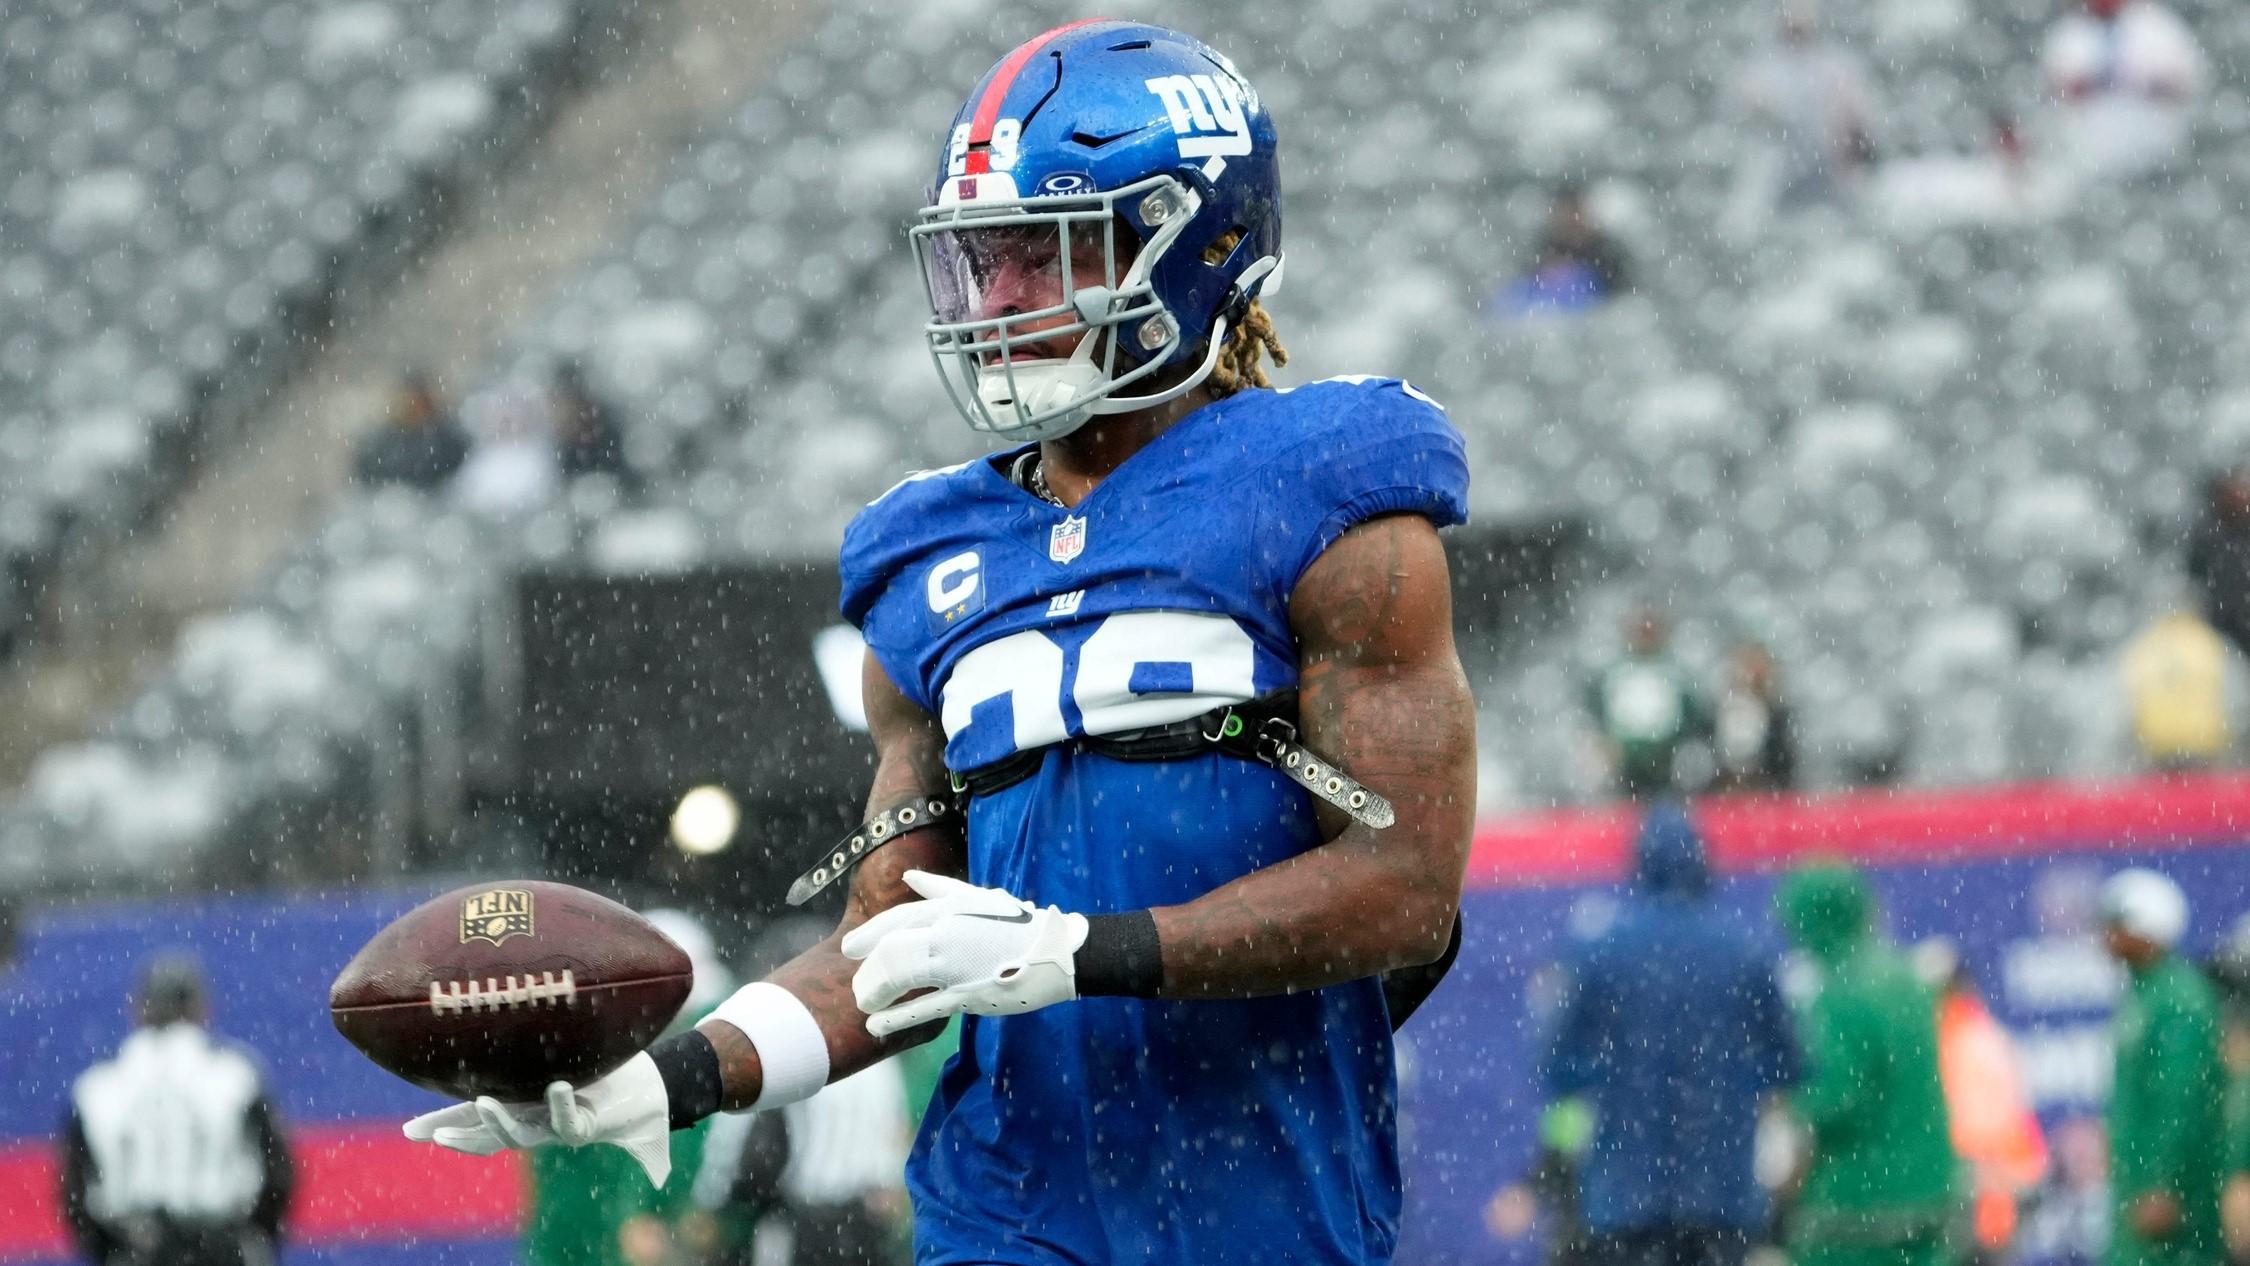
(981, 949)
(628, 1108)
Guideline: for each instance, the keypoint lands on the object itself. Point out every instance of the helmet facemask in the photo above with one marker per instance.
(963, 248)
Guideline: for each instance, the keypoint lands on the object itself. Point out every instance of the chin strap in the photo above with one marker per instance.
(1126, 404)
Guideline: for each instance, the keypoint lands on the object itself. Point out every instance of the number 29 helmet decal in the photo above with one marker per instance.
(1108, 205)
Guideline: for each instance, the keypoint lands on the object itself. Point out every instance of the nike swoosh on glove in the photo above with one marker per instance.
(980, 950)
(627, 1108)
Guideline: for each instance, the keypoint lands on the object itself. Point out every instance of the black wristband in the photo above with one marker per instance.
(689, 1066)
(1121, 956)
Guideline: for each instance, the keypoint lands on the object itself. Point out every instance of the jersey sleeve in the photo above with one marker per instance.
(1363, 449)
(861, 569)
(865, 570)
(881, 544)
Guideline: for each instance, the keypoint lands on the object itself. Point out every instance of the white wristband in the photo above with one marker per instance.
(791, 1050)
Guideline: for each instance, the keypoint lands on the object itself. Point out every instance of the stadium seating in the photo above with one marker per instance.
(1941, 469)
(188, 187)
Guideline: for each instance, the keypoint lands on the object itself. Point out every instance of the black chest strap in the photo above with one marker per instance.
(1262, 730)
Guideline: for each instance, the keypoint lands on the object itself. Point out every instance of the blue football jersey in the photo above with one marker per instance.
(1117, 1130)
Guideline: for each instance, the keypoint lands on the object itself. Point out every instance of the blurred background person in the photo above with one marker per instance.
(1754, 737)
(822, 1181)
(828, 1170)
(1996, 182)
(1995, 1131)
(1673, 1030)
(418, 444)
(2178, 682)
(11, 934)
(1577, 266)
(2230, 978)
(592, 1206)
(172, 1153)
(15, 999)
(1647, 710)
(2218, 555)
(513, 468)
(1879, 1187)
(1547, 1198)
(2167, 1100)
(2067, 1223)
(588, 440)
(1812, 105)
(2124, 74)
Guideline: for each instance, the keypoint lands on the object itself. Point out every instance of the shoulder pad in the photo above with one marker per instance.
(893, 528)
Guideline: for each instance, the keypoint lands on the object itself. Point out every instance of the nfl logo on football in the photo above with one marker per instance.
(496, 915)
(1068, 538)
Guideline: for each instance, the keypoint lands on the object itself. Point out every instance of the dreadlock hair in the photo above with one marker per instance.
(1238, 368)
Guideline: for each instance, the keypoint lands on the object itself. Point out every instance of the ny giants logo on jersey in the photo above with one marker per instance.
(1210, 114)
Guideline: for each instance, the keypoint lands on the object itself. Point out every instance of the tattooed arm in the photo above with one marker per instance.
(1381, 692)
(909, 761)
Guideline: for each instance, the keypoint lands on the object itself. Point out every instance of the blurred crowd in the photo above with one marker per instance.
(1659, 732)
(2120, 80)
(1857, 1103)
(2182, 687)
(521, 444)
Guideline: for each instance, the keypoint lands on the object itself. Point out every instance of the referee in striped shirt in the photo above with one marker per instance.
(172, 1154)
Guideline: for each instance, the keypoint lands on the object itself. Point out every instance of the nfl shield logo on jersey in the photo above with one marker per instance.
(1068, 539)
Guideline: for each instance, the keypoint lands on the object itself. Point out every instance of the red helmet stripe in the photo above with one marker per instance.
(988, 109)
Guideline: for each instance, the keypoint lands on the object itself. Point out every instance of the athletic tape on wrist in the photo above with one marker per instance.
(1121, 956)
(791, 1050)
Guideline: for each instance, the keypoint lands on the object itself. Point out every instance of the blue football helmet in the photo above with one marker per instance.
(1090, 130)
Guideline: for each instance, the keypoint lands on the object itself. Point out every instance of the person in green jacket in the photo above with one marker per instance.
(2167, 1105)
(1879, 1188)
(1648, 709)
(2230, 978)
(593, 1206)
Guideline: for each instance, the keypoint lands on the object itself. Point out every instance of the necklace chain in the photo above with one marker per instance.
(1039, 486)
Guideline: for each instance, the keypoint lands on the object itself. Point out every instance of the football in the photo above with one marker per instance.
(500, 988)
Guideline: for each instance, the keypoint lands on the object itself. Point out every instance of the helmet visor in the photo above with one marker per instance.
(1056, 288)
(1017, 266)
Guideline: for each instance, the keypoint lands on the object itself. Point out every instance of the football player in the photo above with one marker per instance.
(1175, 756)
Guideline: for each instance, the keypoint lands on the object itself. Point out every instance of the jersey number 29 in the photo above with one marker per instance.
(1136, 669)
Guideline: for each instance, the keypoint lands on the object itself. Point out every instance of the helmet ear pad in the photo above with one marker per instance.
(1195, 278)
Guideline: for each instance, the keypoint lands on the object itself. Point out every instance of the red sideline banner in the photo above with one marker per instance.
(356, 1181)
(1752, 833)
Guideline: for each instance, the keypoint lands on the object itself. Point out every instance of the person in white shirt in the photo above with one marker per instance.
(831, 1164)
(2125, 75)
(172, 1153)
(1815, 104)
(514, 468)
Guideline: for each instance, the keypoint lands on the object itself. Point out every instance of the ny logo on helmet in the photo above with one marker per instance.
(1210, 114)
